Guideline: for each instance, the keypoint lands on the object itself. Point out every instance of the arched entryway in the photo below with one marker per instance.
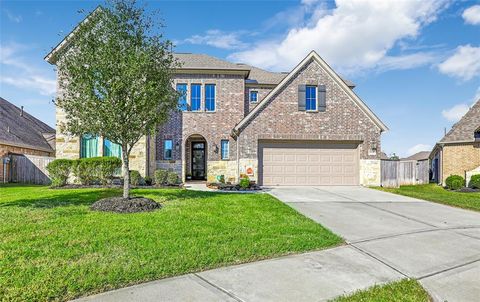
(196, 157)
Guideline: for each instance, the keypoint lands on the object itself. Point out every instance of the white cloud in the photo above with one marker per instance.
(472, 15)
(353, 36)
(406, 61)
(20, 73)
(463, 64)
(217, 38)
(418, 148)
(12, 17)
(455, 113)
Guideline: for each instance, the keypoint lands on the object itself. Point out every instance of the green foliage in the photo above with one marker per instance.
(160, 177)
(119, 74)
(245, 183)
(455, 182)
(135, 177)
(172, 178)
(59, 170)
(148, 180)
(221, 178)
(96, 169)
(474, 181)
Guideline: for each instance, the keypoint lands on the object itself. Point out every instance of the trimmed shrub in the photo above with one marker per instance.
(107, 168)
(172, 178)
(455, 182)
(160, 177)
(221, 179)
(474, 182)
(148, 180)
(135, 178)
(245, 183)
(86, 170)
(59, 170)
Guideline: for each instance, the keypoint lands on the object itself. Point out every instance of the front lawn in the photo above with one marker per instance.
(438, 194)
(52, 247)
(407, 290)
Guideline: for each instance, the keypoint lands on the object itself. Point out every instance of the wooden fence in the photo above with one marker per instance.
(29, 169)
(395, 173)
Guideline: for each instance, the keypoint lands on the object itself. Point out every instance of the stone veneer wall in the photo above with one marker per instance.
(342, 120)
(370, 172)
(460, 158)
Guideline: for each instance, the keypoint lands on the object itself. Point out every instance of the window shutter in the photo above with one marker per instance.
(301, 97)
(322, 98)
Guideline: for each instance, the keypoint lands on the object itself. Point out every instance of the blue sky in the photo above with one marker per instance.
(415, 63)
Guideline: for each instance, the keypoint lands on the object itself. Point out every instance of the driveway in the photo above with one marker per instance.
(389, 237)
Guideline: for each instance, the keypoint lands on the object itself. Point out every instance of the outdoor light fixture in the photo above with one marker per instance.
(177, 146)
(215, 148)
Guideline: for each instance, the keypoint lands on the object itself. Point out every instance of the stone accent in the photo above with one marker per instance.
(370, 172)
(227, 168)
(245, 164)
(460, 158)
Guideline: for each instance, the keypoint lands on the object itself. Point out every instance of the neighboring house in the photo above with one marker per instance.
(305, 127)
(21, 133)
(458, 152)
(422, 155)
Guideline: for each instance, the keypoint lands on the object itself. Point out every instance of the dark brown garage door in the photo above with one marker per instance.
(308, 163)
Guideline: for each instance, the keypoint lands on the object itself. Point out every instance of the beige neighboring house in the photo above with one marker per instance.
(458, 152)
(303, 127)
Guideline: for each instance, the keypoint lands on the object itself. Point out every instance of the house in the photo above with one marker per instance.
(458, 152)
(304, 127)
(21, 133)
(422, 155)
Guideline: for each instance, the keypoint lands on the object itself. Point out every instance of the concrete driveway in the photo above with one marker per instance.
(389, 237)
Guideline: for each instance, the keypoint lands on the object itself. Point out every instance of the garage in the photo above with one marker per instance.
(308, 163)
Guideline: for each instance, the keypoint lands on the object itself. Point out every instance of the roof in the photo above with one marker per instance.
(203, 61)
(464, 129)
(261, 76)
(422, 155)
(311, 56)
(23, 130)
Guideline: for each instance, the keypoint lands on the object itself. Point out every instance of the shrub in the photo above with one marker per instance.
(172, 178)
(148, 180)
(107, 168)
(244, 182)
(455, 182)
(135, 177)
(86, 170)
(160, 176)
(221, 179)
(59, 170)
(475, 181)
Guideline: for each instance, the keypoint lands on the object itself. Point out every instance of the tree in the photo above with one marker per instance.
(117, 78)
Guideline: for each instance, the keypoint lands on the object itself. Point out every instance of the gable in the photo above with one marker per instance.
(328, 75)
(464, 129)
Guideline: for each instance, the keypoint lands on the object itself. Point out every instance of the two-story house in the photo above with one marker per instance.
(304, 127)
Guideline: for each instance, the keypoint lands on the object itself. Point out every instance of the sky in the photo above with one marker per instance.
(416, 64)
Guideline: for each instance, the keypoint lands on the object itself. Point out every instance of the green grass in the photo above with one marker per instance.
(438, 194)
(407, 290)
(52, 247)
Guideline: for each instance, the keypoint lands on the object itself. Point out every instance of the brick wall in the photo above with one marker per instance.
(262, 92)
(459, 158)
(5, 149)
(342, 120)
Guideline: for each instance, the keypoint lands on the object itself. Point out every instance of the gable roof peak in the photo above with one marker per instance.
(464, 130)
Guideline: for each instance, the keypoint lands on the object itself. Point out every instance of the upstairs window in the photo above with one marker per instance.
(210, 97)
(182, 99)
(225, 149)
(311, 98)
(111, 149)
(253, 96)
(167, 149)
(477, 135)
(88, 146)
(196, 97)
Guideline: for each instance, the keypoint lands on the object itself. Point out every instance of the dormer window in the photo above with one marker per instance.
(477, 135)
(253, 96)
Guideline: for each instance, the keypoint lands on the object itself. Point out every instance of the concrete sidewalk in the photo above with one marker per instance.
(389, 237)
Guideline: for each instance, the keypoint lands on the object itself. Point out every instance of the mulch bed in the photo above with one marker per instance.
(468, 190)
(125, 205)
(232, 187)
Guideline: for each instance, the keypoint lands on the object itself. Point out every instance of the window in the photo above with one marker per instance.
(111, 149)
(311, 98)
(88, 146)
(195, 97)
(182, 99)
(210, 97)
(167, 149)
(225, 149)
(253, 96)
(477, 135)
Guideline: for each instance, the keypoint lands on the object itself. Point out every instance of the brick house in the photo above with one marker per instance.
(458, 152)
(22, 134)
(304, 127)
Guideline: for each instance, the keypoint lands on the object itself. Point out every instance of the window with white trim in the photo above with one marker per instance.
(225, 149)
(253, 96)
(311, 98)
(167, 149)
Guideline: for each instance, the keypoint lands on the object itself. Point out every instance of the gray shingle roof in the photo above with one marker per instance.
(261, 76)
(464, 129)
(24, 130)
(422, 155)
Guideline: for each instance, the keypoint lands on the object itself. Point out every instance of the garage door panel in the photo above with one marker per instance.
(307, 163)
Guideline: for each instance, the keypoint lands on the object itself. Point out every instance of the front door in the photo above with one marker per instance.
(198, 160)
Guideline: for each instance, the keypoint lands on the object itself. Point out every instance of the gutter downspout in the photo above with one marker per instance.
(238, 158)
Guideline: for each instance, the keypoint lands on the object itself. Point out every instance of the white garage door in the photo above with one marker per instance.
(308, 163)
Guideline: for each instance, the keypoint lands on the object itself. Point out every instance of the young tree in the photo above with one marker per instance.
(117, 78)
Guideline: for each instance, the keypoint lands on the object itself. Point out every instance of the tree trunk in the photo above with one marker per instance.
(126, 172)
